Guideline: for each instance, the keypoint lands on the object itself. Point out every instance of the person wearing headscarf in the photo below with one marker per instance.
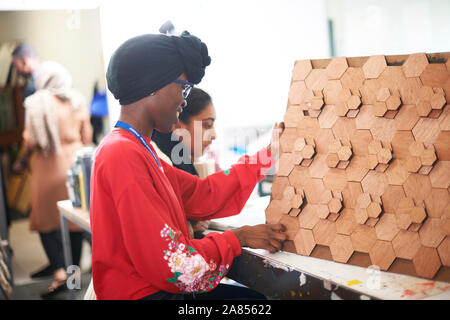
(56, 126)
(141, 247)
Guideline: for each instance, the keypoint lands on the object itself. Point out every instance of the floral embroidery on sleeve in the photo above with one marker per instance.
(191, 273)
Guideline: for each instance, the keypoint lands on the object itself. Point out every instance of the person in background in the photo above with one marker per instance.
(26, 62)
(98, 111)
(56, 126)
(141, 246)
(199, 109)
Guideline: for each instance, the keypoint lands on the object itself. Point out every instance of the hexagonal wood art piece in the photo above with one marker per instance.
(364, 168)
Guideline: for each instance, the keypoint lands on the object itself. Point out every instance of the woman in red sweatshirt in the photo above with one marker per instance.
(141, 248)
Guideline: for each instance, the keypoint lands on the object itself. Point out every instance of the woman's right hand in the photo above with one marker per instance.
(263, 236)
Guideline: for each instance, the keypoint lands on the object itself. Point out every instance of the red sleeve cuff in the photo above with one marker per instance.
(234, 242)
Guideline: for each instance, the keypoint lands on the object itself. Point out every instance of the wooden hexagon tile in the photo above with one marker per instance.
(364, 167)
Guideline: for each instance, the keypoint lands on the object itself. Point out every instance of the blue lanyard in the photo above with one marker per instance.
(129, 128)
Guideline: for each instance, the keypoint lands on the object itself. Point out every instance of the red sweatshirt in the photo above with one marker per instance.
(140, 238)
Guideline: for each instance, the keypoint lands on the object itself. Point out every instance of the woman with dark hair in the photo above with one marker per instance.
(195, 130)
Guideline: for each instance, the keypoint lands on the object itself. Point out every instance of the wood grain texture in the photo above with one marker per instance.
(426, 262)
(364, 171)
(406, 244)
(363, 238)
(431, 234)
(386, 229)
(382, 254)
(391, 197)
(444, 252)
(374, 66)
(324, 232)
(441, 145)
(304, 241)
(301, 70)
(336, 68)
(437, 202)
(341, 248)
(415, 65)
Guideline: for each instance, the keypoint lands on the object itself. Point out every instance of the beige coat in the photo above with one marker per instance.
(48, 173)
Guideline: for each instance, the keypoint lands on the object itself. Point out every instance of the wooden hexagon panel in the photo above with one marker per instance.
(364, 171)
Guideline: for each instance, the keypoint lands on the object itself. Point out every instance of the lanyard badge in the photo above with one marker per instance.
(129, 128)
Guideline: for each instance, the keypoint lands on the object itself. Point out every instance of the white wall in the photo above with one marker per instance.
(70, 37)
(253, 46)
(368, 27)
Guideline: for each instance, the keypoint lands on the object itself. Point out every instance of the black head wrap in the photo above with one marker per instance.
(147, 63)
